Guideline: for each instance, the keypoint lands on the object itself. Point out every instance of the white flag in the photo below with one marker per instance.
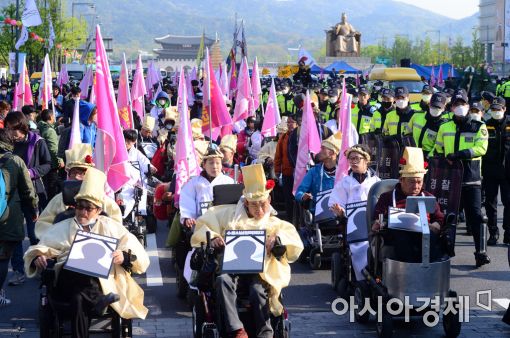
(31, 16)
(306, 56)
(23, 37)
(52, 35)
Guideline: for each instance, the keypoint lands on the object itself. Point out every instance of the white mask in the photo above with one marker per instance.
(461, 111)
(497, 114)
(4, 92)
(475, 116)
(285, 91)
(355, 100)
(333, 99)
(435, 112)
(401, 104)
(162, 102)
(426, 98)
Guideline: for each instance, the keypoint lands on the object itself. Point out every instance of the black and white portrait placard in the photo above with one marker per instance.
(244, 251)
(91, 254)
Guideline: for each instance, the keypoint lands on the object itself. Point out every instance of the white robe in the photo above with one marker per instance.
(349, 190)
(138, 177)
(198, 189)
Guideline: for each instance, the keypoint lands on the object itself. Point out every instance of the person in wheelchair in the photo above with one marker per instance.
(403, 245)
(252, 212)
(197, 194)
(355, 186)
(78, 160)
(321, 177)
(89, 296)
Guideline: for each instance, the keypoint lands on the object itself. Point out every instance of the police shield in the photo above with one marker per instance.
(372, 141)
(388, 158)
(444, 181)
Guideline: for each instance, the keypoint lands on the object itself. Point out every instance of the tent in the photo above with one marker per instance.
(315, 69)
(426, 70)
(342, 67)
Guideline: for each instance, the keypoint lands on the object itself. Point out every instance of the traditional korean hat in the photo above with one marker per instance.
(92, 187)
(196, 128)
(360, 149)
(149, 122)
(256, 188)
(79, 156)
(412, 163)
(229, 142)
(213, 151)
(201, 147)
(171, 113)
(334, 142)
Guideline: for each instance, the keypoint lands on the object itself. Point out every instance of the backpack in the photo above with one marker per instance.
(3, 190)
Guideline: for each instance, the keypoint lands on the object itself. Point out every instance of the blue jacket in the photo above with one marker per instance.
(312, 183)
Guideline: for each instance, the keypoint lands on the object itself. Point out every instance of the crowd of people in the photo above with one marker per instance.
(35, 160)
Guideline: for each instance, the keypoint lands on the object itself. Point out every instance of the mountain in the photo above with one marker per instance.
(272, 26)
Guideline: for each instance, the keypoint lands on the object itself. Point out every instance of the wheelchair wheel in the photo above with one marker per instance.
(116, 326)
(46, 321)
(181, 284)
(315, 259)
(339, 281)
(451, 321)
(197, 319)
(151, 223)
(361, 297)
(385, 326)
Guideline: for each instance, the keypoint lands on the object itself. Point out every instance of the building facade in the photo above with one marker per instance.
(179, 51)
(494, 33)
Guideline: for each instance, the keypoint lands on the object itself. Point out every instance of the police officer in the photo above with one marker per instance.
(285, 102)
(426, 95)
(379, 116)
(498, 127)
(362, 116)
(378, 85)
(466, 140)
(504, 91)
(397, 120)
(424, 125)
(486, 101)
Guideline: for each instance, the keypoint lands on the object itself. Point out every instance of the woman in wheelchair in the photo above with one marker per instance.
(252, 212)
(89, 296)
(355, 186)
(400, 245)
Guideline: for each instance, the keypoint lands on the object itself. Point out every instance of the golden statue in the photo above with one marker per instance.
(343, 39)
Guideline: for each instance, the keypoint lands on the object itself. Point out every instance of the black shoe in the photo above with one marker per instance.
(105, 301)
(481, 259)
(493, 240)
(506, 238)
(506, 317)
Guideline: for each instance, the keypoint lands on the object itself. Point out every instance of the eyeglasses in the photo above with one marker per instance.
(85, 207)
(355, 159)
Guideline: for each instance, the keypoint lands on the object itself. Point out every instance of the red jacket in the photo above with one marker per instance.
(282, 163)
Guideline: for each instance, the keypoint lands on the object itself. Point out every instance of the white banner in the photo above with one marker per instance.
(12, 63)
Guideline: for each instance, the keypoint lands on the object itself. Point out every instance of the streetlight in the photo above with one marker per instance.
(438, 31)
(91, 5)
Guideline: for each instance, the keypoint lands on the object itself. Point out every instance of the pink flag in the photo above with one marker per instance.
(153, 77)
(243, 96)
(63, 76)
(124, 97)
(432, 81)
(75, 137)
(256, 89)
(24, 89)
(215, 113)
(193, 75)
(186, 163)
(309, 142)
(110, 152)
(349, 134)
(358, 82)
(272, 116)
(138, 89)
(224, 80)
(86, 82)
(189, 88)
(45, 88)
(440, 80)
(233, 76)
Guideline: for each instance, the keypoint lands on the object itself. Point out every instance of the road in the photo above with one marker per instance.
(308, 300)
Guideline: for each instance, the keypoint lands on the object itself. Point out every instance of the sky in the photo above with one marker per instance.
(456, 9)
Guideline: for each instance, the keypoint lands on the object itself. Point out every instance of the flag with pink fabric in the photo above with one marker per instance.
(309, 142)
(138, 90)
(124, 97)
(45, 88)
(243, 97)
(272, 116)
(110, 152)
(186, 163)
